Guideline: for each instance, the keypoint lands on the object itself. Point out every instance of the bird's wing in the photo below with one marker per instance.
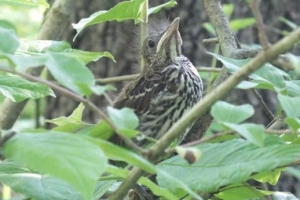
(138, 94)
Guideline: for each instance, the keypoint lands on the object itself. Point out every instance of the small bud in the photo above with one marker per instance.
(189, 154)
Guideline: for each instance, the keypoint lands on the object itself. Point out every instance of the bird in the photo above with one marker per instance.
(168, 86)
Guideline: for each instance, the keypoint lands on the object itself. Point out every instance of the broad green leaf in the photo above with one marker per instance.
(238, 24)
(33, 185)
(267, 77)
(87, 56)
(24, 62)
(124, 10)
(225, 112)
(101, 130)
(125, 120)
(177, 182)
(293, 122)
(30, 2)
(293, 88)
(71, 73)
(294, 171)
(18, 89)
(240, 191)
(156, 9)
(271, 177)
(228, 9)
(233, 161)
(118, 153)
(254, 133)
(65, 156)
(102, 187)
(290, 105)
(144, 181)
(71, 123)
(8, 40)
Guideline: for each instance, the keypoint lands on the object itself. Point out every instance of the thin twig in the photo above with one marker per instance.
(131, 77)
(269, 113)
(78, 98)
(210, 41)
(254, 5)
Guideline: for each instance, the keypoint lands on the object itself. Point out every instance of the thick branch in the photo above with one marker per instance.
(55, 23)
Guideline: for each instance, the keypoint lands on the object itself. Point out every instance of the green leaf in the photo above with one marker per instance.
(271, 177)
(124, 10)
(295, 60)
(34, 185)
(228, 9)
(209, 28)
(8, 40)
(175, 181)
(290, 105)
(144, 181)
(18, 89)
(293, 88)
(267, 77)
(118, 153)
(101, 89)
(101, 130)
(291, 24)
(252, 132)
(65, 156)
(238, 191)
(71, 73)
(87, 56)
(228, 162)
(156, 9)
(30, 2)
(42, 46)
(71, 123)
(238, 24)
(225, 112)
(125, 120)
(24, 62)
(293, 123)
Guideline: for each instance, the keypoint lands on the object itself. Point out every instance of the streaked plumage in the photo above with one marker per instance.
(168, 87)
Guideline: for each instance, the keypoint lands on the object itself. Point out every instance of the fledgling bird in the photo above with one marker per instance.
(168, 86)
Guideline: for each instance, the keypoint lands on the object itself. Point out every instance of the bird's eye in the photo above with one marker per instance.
(151, 43)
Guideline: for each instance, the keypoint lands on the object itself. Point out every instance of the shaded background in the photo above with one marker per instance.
(118, 37)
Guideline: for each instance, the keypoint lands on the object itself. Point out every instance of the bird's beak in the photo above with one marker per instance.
(166, 37)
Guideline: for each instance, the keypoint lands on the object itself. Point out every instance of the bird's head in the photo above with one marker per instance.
(163, 45)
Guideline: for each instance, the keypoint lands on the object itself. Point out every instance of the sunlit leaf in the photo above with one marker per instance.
(18, 89)
(241, 23)
(156, 9)
(124, 10)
